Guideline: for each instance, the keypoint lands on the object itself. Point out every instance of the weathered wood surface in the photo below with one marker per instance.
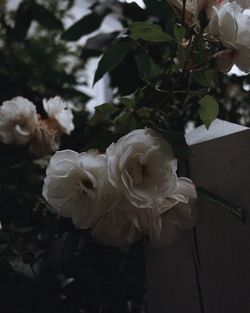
(222, 166)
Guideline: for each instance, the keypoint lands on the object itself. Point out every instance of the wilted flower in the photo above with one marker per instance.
(142, 165)
(193, 8)
(46, 138)
(61, 112)
(76, 186)
(231, 25)
(18, 121)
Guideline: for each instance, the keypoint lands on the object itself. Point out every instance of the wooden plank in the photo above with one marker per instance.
(171, 278)
(222, 166)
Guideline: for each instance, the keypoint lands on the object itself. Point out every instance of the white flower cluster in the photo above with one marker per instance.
(130, 191)
(230, 23)
(20, 124)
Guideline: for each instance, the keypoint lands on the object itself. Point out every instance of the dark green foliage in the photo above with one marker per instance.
(46, 265)
(162, 75)
(36, 66)
(148, 32)
(209, 110)
(85, 25)
(111, 58)
(46, 17)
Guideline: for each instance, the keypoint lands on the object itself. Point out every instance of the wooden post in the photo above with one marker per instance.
(208, 270)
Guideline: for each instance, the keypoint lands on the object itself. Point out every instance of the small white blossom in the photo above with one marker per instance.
(60, 111)
(231, 25)
(18, 121)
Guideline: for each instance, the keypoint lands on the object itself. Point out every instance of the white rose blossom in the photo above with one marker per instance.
(164, 224)
(179, 213)
(18, 121)
(126, 223)
(231, 25)
(76, 186)
(143, 166)
(130, 192)
(60, 111)
(115, 227)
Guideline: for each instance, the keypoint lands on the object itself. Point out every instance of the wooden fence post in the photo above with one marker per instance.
(217, 279)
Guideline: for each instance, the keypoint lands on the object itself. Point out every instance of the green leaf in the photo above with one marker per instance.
(111, 58)
(159, 8)
(84, 26)
(144, 64)
(147, 68)
(128, 102)
(179, 32)
(195, 94)
(23, 19)
(125, 123)
(205, 78)
(102, 114)
(45, 17)
(148, 32)
(209, 110)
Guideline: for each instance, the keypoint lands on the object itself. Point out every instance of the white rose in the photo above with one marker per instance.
(163, 224)
(231, 25)
(76, 186)
(46, 138)
(18, 121)
(115, 228)
(142, 165)
(179, 213)
(61, 111)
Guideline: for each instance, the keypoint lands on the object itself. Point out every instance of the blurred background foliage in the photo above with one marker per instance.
(161, 72)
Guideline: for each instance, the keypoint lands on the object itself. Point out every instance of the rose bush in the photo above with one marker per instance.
(162, 75)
